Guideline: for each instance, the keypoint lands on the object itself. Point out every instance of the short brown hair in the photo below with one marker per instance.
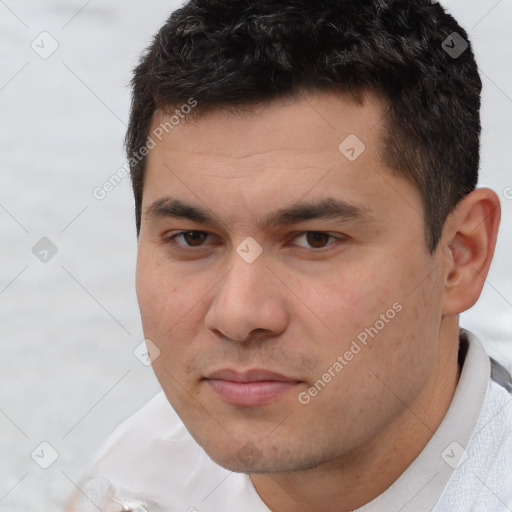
(240, 52)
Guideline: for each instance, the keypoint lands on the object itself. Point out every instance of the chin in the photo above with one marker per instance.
(262, 466)
(248, 458)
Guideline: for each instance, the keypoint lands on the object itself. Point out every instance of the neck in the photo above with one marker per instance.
(342, 485)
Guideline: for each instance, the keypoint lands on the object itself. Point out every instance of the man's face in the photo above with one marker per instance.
(287, 339)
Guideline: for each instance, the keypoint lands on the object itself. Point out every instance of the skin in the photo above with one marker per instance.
(305, 299)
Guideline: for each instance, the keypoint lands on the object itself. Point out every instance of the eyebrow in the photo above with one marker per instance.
(328, 208)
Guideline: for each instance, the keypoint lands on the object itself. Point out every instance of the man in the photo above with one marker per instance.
(309, 230)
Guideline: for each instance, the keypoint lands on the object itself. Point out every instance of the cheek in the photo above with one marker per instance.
(166, 303)
(149, 293)
(172, 308)
(353, 299)
(406, 349)
(163, 297)
(387, 315)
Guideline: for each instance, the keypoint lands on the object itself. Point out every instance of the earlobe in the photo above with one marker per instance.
(469, 239)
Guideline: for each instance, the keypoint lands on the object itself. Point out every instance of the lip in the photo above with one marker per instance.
(251, 388)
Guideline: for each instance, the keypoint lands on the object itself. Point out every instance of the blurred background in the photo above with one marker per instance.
(71, 368)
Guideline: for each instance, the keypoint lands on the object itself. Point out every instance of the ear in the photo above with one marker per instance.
(468, 242)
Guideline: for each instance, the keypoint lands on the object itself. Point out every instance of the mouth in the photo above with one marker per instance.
(251, 388)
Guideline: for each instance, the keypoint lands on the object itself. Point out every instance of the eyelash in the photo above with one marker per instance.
(171, 240)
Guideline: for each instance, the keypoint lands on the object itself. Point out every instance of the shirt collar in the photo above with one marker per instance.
(420, 486)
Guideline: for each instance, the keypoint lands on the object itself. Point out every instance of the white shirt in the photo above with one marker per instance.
(151, 463)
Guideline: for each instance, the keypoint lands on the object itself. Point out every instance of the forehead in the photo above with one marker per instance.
(310, 123)
(274, 155)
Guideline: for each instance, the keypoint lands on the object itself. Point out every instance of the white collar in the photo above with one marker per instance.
(418, 489)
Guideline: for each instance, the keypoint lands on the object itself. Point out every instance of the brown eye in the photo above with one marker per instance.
(317, 240)
(194, 238)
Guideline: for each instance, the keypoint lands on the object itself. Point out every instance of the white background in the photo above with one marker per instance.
(68, 327)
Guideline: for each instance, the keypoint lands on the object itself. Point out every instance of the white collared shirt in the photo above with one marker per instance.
(151, 463)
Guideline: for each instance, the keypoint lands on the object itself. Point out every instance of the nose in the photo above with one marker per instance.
(249, 302)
